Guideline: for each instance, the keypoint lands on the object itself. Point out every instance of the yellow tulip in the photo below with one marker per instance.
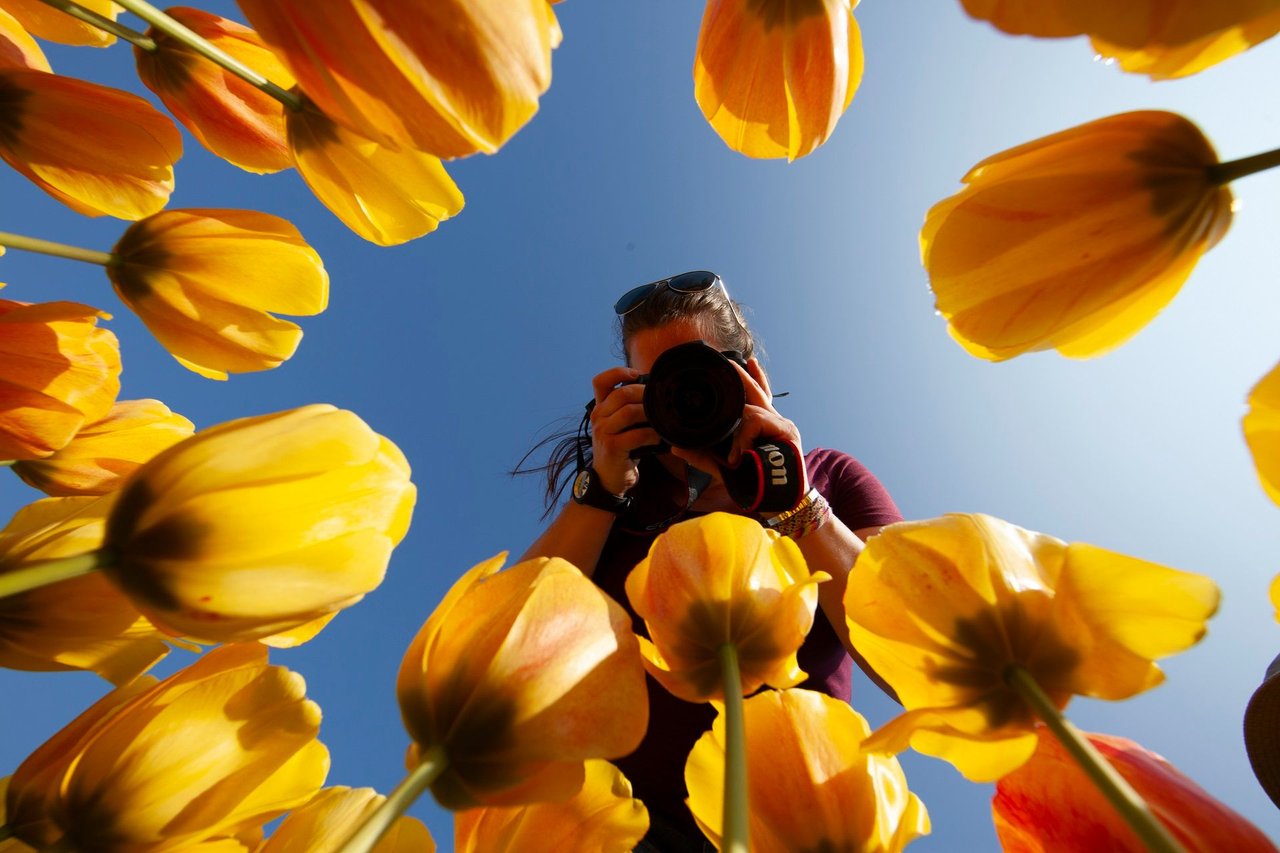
(1075, 241)
(235, 120)
(716, 580)
(206, 283)
(385, 194)
(105, 452)
(95, 149)
(516, 679)
(773, 77)
(260, 526)
(210, 753)
(602, 816)
(17, 48)
(1262, 431)
(80, 623)
(1049, 804)
(1162, 38)
(812, 787)
(448, 77)
(943, 609)
(51, 24)
(58, 371)
(324, 823)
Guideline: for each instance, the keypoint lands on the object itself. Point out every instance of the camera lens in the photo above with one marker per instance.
(694, 396)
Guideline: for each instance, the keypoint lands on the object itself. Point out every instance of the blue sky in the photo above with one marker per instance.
(464, 345)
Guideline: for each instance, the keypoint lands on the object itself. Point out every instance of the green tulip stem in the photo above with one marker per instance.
(8, 463)
(198, 43)
(735, 832)
(61, 250)
(102, 22)
(395, 805)
(1225, 173)
(1110, 783)
(44, 572)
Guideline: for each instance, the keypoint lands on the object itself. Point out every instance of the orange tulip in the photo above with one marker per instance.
(1075, 241)
(516, 679)
(448, 77)
(1162, 38)
(58, 371)
(232, 118)
(104, 453)
(95, 149)
(206, 283)
(773, 78)
(80, 623)
(716, 580)
(1049, 804)
(329, 819)
(49, 23)
(17, 48)
(602, 816)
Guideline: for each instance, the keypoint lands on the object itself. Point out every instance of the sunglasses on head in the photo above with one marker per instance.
(687, 282)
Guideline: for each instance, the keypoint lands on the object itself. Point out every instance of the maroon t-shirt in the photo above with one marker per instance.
(656, 768)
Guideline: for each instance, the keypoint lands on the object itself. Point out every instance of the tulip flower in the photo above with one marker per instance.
(773, 78)
(1161, 38)
(48, 23)
(210, 753)
(17, 48)
(1262, 431)
(388, 195)
(602, 816)
(945, 609)
(1075, 241)
(95, 149)
(332, 815)
(104, 453)
(80, 623)
(812, 786)
(206, 283)
(260, 526)
(10, 845)
(58, 371)
(446, 77)
(1048, 805)
(516, 679)
(231, 117)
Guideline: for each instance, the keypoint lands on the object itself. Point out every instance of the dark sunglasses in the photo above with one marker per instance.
(687, 282)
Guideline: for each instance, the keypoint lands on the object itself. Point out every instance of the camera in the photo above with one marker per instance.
(694, 400)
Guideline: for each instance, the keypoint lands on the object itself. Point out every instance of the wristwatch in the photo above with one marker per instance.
(588, 492)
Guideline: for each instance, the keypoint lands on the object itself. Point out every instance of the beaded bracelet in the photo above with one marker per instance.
(804, 518)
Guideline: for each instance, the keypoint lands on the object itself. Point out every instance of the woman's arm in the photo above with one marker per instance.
(577, 534)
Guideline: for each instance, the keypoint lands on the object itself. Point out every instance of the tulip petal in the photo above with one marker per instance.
(1261, 426)
(17, 48)
(49, 23)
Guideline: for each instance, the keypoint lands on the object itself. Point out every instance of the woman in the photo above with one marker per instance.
(622, 502)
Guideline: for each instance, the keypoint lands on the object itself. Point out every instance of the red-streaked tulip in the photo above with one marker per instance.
(723, 579)
(95, 149)
(516, 679)
(602, 816)
(811, 785)
(207, 283)
(102, 454)
(941, 609)
(260, 526)
(58, 371)
(17, 48)
(209, 754)
(232, 118)
(80, 623)
(1075, 241)
(448, 77)
(46, 22)
(774, 78)
(385, 194)
(1049, 804)
(329, 819)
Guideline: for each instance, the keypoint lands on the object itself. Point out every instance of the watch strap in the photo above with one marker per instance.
(588, 492)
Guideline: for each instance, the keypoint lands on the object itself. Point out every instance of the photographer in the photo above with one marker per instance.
(628, 484)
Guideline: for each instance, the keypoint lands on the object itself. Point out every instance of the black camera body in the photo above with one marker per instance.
(694, 399)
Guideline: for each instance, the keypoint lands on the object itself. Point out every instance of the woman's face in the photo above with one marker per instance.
(645, 346)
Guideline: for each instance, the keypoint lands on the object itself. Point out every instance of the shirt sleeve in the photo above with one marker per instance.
(857, 497)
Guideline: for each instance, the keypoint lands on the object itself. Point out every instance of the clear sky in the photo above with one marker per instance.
(464, 345)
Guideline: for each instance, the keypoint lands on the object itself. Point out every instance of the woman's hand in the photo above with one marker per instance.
(618, 411)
